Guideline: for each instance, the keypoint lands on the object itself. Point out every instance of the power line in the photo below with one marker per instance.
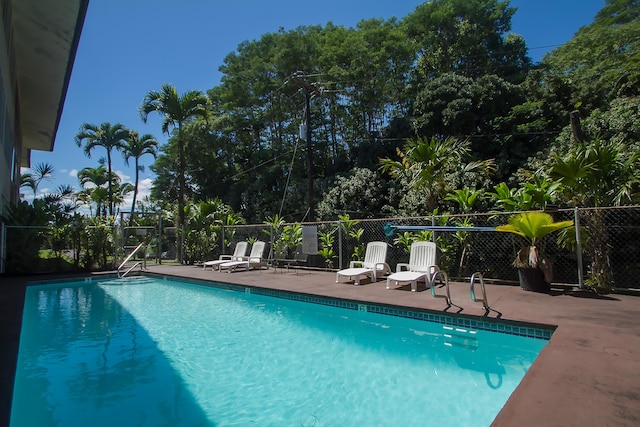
(266, 162)
(310, 91)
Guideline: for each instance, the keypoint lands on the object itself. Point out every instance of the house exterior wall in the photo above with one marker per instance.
(9, 143)
(35, 35)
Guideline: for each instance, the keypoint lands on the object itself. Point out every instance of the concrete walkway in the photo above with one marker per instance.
(588, 374)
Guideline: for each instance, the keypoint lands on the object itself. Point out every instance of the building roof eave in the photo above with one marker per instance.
(46, 34)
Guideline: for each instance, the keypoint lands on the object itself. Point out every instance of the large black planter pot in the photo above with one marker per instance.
(532, 279)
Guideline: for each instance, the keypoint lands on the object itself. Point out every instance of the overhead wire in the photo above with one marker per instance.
(281, 91)
(286, 186)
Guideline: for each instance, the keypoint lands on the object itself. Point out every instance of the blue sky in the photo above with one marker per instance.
(128, 48)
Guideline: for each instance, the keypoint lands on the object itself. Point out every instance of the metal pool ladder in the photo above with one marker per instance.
(447, 297)
(139, 263)
(484, 301)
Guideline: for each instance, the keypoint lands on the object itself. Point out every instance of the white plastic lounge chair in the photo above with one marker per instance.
(421, 267)
(374, 264)
(239, 254)
(255, 259)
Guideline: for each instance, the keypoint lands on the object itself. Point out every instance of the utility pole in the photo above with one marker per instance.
(310, 91)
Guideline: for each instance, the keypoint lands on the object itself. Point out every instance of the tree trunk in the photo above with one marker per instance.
(135, 195)
(181, 184)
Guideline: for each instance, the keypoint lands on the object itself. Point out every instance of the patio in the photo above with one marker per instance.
(588, 374)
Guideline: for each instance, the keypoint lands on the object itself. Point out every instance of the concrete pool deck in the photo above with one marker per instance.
(588, 374)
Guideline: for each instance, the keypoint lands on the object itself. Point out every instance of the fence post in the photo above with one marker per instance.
(159, 239)
(181, 260)
(117, 231)
(434, 237)
(223, 250)
(339, 245)
(579, 248)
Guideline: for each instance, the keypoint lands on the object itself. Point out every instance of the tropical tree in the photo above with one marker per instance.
(26, 180)
(94, 180)
(206, 219)
(531, 195)
(120, 192)
(23, 245)
(455, 105)
(176, 111)
(465, 198)
(598, 174)
(469, 37)
(600, 63)
(435, 167)
(362, 193)
(135, 147)
(107, 136)
(41, 172)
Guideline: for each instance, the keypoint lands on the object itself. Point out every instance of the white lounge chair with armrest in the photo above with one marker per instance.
(239, 254)
(374, 264)
(422, 266)
(254, 260)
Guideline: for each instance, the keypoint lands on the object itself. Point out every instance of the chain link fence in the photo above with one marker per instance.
(30, 250)
(610, 240)
(609, 245)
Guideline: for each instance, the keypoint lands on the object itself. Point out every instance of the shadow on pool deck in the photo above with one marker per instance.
(588, 374)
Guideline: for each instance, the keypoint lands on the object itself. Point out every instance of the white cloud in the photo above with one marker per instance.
(144, 189)
(123, 176)
(73, 173)
(144, 186)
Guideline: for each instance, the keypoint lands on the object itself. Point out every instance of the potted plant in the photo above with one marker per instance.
(534, 271)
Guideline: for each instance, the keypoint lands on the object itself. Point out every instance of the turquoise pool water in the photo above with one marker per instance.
(151, 352)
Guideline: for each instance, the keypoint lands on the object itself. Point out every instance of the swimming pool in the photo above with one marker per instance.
(149, 351)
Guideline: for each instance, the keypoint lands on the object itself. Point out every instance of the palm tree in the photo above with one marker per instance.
(429, 165)
(97, 179)
(137, 146)
(108, 136)
(41, 172)
(176, 110)
(27, 180)
(597, 174)
(120, 192)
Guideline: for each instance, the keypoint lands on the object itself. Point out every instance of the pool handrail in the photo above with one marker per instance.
(127, 260)
(484, 301)
(447, 297)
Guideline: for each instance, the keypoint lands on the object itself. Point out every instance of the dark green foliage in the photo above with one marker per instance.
(23, 243)
(449, 69)
(358, 195)
(602, 61)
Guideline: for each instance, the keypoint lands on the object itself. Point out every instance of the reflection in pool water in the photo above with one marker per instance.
(153, 352)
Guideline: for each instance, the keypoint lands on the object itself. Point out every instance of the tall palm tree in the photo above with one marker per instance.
(135, 147)
(108, 136)
(176, 110)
